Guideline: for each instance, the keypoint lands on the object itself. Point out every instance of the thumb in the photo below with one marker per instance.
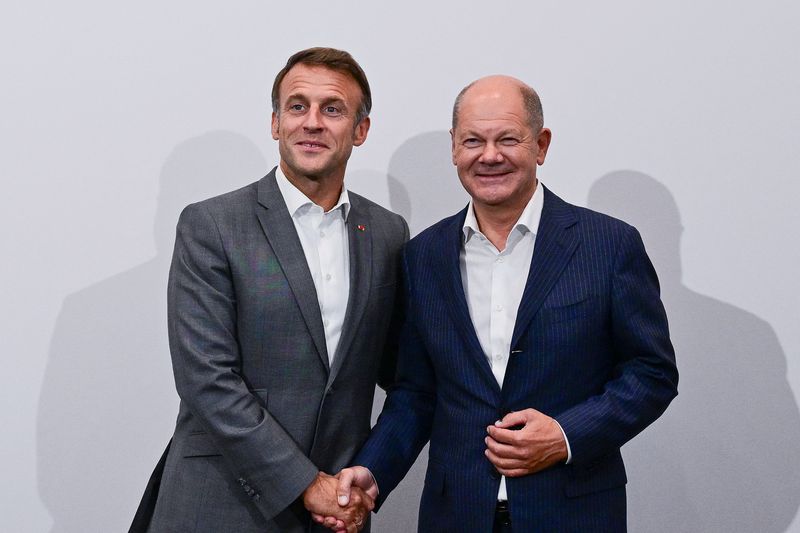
(514, 418)
(346, 478)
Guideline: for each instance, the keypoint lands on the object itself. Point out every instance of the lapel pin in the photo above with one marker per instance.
(361, 227)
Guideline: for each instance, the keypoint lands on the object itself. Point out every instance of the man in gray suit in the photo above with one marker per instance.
(281, 303)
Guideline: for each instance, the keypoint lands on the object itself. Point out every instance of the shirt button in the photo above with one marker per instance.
(498, 357)
(498, 308)
(321, 233)
(499, 259)
(327, 277)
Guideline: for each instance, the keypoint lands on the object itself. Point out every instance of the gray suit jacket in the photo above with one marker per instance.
(261, 410)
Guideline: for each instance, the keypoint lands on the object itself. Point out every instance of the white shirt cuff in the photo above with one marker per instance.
(569, 451)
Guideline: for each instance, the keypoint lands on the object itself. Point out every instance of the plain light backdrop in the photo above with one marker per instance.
(679, 117)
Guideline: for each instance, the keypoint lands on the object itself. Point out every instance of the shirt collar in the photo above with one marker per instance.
(295, 199)
(528, 220)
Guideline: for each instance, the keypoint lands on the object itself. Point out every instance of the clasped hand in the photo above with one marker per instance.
(525, 442)
(354, 482)
(323, 499)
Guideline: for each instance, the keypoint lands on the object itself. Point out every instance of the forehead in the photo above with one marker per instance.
(313, 81)
(494, 108)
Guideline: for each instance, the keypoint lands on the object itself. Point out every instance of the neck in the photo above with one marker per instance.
(497, 221)
(323, 191)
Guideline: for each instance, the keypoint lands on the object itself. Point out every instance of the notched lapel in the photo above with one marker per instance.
(359, 239)
(556, 242)
(448, 270)
(282, 236)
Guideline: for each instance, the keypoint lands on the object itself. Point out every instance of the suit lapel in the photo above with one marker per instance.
(555, 244)
(448, 270)
(359, 239)
(282, 236)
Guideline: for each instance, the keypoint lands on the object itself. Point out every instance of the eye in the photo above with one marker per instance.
(297, 107)
(331, 110)
(509, 141)
(472, 142)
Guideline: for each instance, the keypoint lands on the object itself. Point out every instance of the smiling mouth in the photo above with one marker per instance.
(311, 145)
(491, 175)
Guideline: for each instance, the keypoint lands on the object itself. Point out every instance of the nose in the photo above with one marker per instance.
(491, 155)
(313, 119)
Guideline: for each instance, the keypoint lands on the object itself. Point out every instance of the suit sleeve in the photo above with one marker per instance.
(645, 378)
(206, 361)
(404, 425)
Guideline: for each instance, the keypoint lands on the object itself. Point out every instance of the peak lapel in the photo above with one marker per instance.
(282, 236)
(359, 240)
(448, 270)
(555, 244)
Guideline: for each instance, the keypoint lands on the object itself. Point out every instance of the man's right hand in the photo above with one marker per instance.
(352, 481)
(347, 515)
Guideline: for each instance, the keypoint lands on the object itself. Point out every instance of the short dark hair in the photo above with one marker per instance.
(531, 101)
(333, 59)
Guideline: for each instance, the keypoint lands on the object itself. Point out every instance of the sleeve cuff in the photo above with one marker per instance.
(566, 441)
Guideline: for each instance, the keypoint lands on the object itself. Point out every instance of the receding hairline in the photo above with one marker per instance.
(530, 100)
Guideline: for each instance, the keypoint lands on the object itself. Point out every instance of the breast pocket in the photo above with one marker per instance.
(581, 309)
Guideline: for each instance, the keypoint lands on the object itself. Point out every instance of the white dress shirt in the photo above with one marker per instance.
(323, 236)
(493, 283)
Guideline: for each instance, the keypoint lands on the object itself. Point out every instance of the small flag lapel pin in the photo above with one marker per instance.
(361, 227)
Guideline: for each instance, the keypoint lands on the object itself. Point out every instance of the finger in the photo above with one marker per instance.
(331, 522)
(503, 450)
(318, 518)
(505, 436)
(513, 472)
(346, 478)
(514, 418)
(502, 462)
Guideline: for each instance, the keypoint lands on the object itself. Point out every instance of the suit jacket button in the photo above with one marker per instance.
(256, 497)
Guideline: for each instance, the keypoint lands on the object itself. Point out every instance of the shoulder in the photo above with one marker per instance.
(221, 208)
(442, 238)
(589, 223)
(390, 223)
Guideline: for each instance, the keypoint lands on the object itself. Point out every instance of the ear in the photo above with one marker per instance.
(275, 125)
(453, 146)
(543, 140)
(360, 134)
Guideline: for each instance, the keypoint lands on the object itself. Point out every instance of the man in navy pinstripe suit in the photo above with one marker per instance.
(535, 344)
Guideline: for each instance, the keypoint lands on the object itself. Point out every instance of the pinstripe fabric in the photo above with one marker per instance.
(590, 348)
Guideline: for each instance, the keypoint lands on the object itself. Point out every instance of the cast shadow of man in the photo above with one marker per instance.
(724, 457)
(108, 402)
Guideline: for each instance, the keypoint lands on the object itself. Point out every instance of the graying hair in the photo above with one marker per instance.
(529, 99)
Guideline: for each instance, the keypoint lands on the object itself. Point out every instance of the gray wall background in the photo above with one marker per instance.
(680, 117)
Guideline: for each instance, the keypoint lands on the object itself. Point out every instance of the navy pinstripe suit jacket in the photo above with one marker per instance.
(590, 348)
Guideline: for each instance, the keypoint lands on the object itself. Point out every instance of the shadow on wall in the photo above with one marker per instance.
(423, 184)
(424, 188)
(724, 457)
(108, 405)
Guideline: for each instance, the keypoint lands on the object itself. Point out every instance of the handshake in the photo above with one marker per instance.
(342, 502)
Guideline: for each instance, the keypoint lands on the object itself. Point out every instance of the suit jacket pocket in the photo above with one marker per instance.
(199, 445)
(572, 311)
(605, 474)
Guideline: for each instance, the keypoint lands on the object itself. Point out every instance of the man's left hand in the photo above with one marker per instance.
(536, 445)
